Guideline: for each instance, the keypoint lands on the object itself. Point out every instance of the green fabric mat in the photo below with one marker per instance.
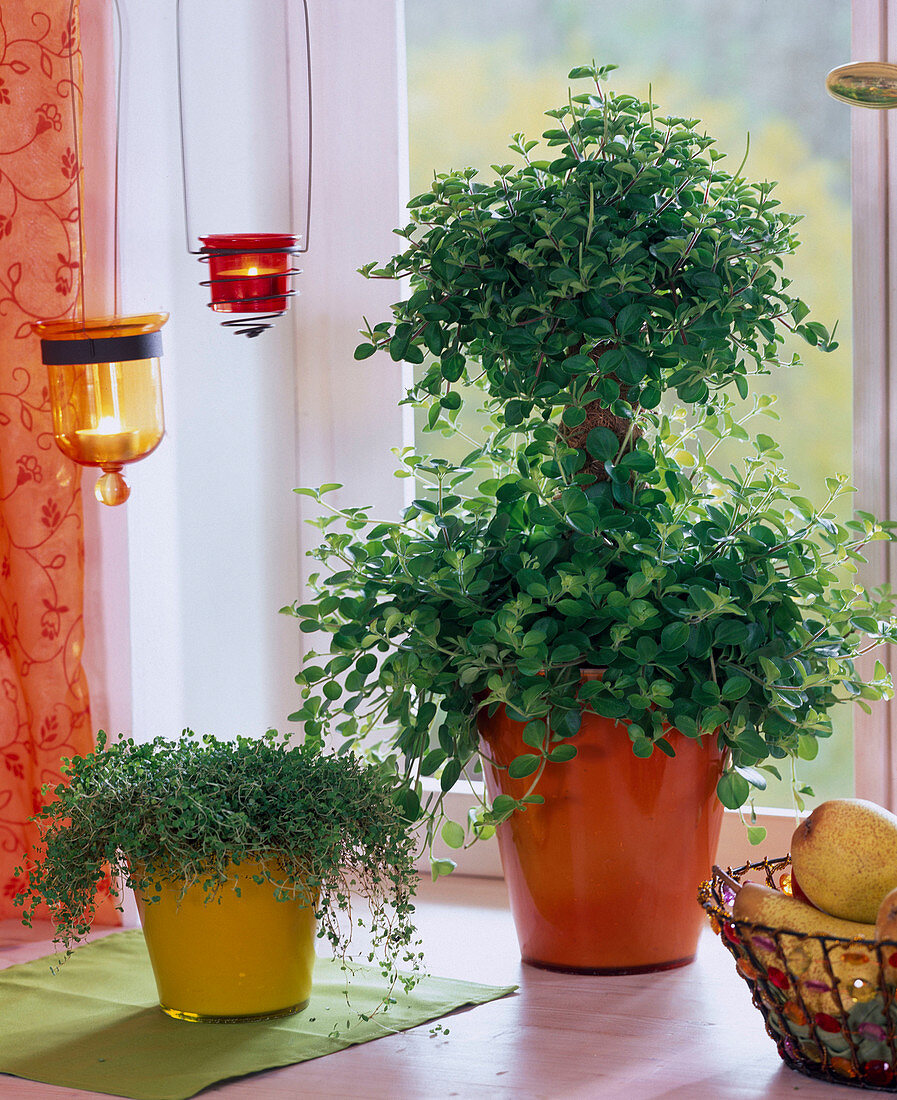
(96, 1024)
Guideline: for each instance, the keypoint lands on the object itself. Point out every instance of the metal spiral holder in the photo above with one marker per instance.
(259, 311)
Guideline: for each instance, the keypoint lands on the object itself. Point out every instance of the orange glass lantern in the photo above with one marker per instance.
(104, 372)
(106, 392)
(244, 82)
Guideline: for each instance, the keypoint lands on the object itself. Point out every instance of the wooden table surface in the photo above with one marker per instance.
(687, 1033)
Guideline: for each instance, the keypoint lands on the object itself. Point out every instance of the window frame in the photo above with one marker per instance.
(874, 212)
(361, 52)
(874, 259)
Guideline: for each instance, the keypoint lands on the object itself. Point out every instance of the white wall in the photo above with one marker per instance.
(214, 535)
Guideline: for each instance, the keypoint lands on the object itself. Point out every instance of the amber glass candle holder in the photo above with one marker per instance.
(250, 272)
(106, 392)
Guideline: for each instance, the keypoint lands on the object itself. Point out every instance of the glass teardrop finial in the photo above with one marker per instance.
(111, 488)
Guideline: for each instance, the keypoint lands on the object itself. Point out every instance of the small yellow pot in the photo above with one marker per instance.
(221, 957)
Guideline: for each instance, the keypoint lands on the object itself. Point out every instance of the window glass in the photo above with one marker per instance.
(481, 70)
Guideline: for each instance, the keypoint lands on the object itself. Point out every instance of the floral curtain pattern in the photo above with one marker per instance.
(44, 708)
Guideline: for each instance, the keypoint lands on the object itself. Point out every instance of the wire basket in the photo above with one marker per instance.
(829, 1003)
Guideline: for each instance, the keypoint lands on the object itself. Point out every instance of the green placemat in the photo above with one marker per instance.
(96, 1024)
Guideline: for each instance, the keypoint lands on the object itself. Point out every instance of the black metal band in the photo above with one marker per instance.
(109, 349)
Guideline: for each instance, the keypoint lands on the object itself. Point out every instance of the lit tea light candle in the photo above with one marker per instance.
(107, 443)
(244, 277)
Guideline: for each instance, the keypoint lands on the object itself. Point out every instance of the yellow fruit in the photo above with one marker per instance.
(761, 905)
(796, 963)
(845, 857)
(886, 921)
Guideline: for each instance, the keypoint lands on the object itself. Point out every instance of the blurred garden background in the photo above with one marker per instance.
(481, 70)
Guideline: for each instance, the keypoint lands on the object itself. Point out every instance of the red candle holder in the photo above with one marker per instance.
(250, 272)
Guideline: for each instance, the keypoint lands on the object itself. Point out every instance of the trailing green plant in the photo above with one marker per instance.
(189, 807)
(591, 526)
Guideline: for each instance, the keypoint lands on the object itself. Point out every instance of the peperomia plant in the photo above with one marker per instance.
(590, 527)
(628, 265)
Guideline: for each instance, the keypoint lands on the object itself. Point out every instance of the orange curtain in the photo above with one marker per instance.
(44, 708)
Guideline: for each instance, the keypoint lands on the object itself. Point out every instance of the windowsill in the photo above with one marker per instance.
(689, 1033)
(481, 858)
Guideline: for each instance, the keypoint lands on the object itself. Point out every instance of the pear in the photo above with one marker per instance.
(801, 960)
(845, 856)
(886, 929)
(886, 921)
(797, 890)
(762, 905)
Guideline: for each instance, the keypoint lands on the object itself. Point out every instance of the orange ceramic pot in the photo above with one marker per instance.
(603, 878)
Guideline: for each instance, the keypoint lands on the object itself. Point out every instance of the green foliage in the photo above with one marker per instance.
(186, 808)
(590, 526)
(632, 242)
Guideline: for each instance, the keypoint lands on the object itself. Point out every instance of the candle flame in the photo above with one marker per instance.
(253, 271)
(107, 425)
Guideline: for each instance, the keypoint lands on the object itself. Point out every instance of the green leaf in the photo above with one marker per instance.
(601, 443)
(562, 753)
(453, 834)
(524, 765)
(630, 319)
(533, 735)
(730, 632)
(634, 366)
(452, 366)
(733, 790)
(504, 805)
(573, 416)
(364, 351)
(753, 776)
(441, 867)
(399, 344)
(674, 636)
(410, 803)
(735, 687)
(450, 775)
(432, 762)
(640, 461)
(756, 834)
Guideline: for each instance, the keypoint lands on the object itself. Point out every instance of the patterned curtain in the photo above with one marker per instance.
(44, 709)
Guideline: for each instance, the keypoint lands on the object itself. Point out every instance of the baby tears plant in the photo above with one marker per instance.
(593, 526)
(186, 808)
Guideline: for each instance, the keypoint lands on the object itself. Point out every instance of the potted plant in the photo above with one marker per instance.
(621, 636)
(238, 851)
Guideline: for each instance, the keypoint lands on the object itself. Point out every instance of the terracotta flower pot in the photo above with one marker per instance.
(603, 877)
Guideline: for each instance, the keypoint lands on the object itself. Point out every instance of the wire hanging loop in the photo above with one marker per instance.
(250, 273)
(74, 25)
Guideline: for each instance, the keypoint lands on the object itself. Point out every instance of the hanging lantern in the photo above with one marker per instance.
(250, 273)
(106, 393)
(244, 76)
(104, 373)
